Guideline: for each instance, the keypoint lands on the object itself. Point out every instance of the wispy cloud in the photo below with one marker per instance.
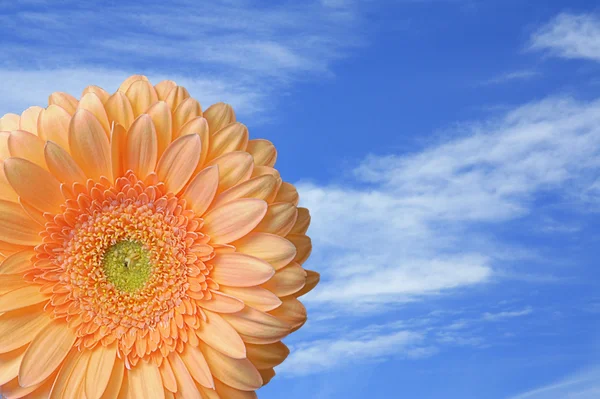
(570, 36)
(411, 225)
(525, 74)
(506, 315)
(583, 385)
(235, 49)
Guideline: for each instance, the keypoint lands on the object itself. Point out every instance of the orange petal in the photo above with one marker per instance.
(62, 165)
(256, 324)
(225, 391)
(179, 162)
(267, 375)
(303, 246)
(185, 112)
(163, 123)
(287, 281)
(163, 88)
(53, 125)
(287, 193)
(35, 185)
(280, 219)
(231, 138)
(130, 80)
(222, 303)
(240, 270)
(202, 189)
(118, 145)
(17, 263)
(218, 116)
(99, 370)
(22, 144)
(9, 364)
(11, 282)
(7, 249)
(33, 212)
(312, 279)
(302, 222)
(4, 151)
(220, 335)
(20, 326)
(234, 168)
(6, 191)
(62, 379)
(75, 386)
(63, 100)
(119, 110)
(176, 97)
(9, 122)
(291, 312)
(115, 381)
(16, 227)
(99, 91)
(263, 152)
(233, 220)
(256, 297)
(269, 247)
(89, 145)
(145, 380)
(142, 146)
(12, 389)
(237, 373)
(198, 126)
(92, 103)
(197, 366)
(208, 393)
(142, 95)
(260, 187)
(29, 119)
(168, 378)
(267, 356)
(45, 353)
(186, 388)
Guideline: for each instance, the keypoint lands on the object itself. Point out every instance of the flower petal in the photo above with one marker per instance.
(142, 95)
(303, 246)
(218, 116)
(254, 323)
(291, 312)
(287, 193)
(256, 297)
(186, 388)
(62, 379)
(99, 370)
(118, 145)
(163, 123)
(269, 247)
(260, 187)
(142, 146)
(99, 91)
(222, 303)
(240, 270)
(168, 378)
(312, 279)
(62, 165)
(176, 97)
(163, 88)
(179, 162)
(131, 80)
(116, 380)
(29, 119)
(63, 100)
(53, 125)
(22, 144)
(17, 263)
(287, 281)
(200, 127)
(202, 189)
(233, 220)
(237, 373)
(267, 375)
(185, 112)
(220, 335)
(35, 185)
(225, 391)
(197, 366)
(280, 219)
(231, 138)
(46, 352)
(263, 152)
(9, 122)
(267, 356)
(119, 110)
(9, 364)
(302, 222)
(20, 326)
(89, 145)
(6, 191)
(145, 380)
(92, 103)
(16, 227)
(234, 168)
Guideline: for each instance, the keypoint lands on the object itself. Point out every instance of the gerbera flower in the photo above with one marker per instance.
(149, 249)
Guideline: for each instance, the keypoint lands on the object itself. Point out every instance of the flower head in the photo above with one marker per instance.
(149, 249)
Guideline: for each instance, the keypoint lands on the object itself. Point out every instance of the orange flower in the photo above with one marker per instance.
(149, 249)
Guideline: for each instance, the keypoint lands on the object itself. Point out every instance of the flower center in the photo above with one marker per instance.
(127, 266)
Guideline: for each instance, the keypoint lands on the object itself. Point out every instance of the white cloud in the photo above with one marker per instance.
(521, 75)
(583, 385)
(422, 223)
(506, 315)
(570, 36)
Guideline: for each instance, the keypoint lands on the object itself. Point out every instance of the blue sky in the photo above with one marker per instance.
(448, 150)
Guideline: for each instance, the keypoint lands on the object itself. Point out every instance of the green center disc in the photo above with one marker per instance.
(127, 266)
